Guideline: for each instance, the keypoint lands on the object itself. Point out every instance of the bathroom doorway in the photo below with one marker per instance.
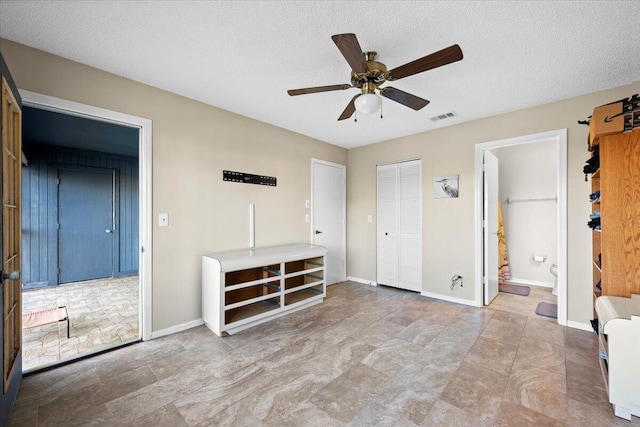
(532, 198)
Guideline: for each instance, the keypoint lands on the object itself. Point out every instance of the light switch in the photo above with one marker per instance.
(306, 204)
(163, 219)
(369, 218)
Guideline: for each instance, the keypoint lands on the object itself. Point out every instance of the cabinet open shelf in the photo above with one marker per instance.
(246, 311)
(241, 289)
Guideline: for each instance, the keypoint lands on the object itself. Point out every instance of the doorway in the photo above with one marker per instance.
(559, 138)
(98, 172)
(328, 216)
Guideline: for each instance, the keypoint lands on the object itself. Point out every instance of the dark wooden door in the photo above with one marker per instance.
(86, 224)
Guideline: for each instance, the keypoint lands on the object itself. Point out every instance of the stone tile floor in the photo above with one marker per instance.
(102, 312)
(366, 356)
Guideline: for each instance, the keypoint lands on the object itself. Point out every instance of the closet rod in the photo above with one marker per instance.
(546, 199)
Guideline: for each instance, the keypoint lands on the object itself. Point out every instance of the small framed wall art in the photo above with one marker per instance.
(445, 187)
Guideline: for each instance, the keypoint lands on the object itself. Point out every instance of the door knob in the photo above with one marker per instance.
(318, 232)
(14, 275)
(108, 231)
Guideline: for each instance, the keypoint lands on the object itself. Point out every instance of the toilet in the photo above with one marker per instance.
(554, 270)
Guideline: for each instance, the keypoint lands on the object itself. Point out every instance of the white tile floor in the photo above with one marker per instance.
(103, 313)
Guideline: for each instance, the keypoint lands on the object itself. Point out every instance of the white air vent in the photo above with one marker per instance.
(443, 116)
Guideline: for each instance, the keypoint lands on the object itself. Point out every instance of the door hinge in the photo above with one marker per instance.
(58, 181)
(58, 226)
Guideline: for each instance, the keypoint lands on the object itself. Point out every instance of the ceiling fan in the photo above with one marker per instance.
(368, 74)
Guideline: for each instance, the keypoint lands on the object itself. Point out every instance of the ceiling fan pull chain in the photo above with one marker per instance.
(355, 115)
(380, 108)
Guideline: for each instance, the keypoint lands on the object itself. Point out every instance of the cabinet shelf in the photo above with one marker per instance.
(254, 310)
(241, 289)
(595, 264)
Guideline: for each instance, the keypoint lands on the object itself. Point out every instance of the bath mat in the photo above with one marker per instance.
(547, 310)
(514, 289)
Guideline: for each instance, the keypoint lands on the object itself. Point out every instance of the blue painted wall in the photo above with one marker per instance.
(39, 244)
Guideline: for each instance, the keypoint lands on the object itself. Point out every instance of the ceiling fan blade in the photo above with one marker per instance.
(351, 108)
(404, 98)
(438, 59)
(351, 50)
(294, 92)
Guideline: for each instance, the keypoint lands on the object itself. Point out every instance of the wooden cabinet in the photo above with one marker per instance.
(619, 346)
(244, 288)
(616, 247)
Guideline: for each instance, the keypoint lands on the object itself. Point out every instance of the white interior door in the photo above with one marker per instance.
(328, 213)
(491, 184)
(387, 238)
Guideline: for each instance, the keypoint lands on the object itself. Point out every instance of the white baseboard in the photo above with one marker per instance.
(579, 325)
(449, 299)
(176, 328)
(363, 281)
(531, 282)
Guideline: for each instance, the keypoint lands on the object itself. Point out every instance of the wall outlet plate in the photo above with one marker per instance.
(163, 220)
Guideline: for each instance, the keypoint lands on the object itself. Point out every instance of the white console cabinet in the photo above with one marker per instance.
(619, 339)
(244, 288)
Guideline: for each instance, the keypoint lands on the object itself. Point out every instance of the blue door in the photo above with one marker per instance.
(86, 224)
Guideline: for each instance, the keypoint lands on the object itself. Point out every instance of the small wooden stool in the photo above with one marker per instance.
(46, 317)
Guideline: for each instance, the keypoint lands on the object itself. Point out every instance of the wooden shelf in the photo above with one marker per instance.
(620, 192)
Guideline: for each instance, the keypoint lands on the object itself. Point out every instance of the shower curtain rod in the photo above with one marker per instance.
(547, 199)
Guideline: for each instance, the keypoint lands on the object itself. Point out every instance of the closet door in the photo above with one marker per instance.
(400, 225)
(410, 226)
(387, 239)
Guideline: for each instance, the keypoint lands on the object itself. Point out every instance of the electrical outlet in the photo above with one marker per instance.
(163, 220)
(306, 218)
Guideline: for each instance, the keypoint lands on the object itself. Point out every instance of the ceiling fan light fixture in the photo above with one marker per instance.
(367, 103)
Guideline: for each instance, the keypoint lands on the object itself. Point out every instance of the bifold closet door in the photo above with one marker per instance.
(387, 241)
(399, 225)
(410, 230)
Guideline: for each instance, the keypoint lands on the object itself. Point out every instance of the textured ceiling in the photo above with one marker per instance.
(242, 56)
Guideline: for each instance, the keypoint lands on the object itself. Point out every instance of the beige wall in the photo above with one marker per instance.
(192, 144)
(448, 224)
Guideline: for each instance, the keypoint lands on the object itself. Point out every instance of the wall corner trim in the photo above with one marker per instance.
(176, 328)
(363, 281)
(579, 325)
(450, 299)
